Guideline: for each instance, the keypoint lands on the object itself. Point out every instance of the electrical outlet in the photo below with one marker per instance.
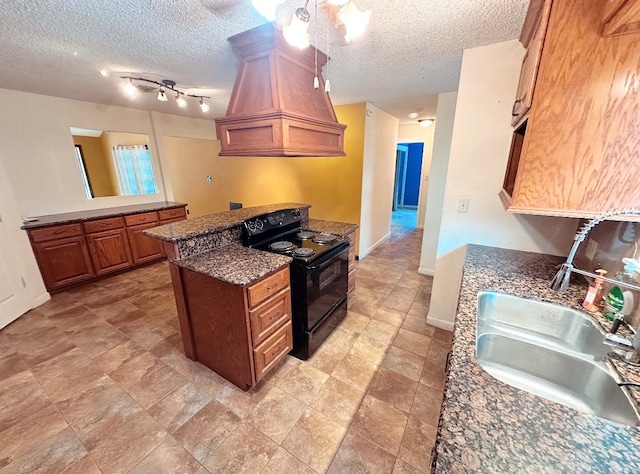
(592, 247)
(463, 205)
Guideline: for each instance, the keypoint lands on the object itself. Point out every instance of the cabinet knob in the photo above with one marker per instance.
(513, 109)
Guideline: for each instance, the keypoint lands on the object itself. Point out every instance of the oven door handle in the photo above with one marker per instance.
(329, 258)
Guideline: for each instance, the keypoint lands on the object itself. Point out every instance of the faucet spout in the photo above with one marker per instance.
(560, 281)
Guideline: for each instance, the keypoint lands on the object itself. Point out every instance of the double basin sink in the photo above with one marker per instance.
(551, 351)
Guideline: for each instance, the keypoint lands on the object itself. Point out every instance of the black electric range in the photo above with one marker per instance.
(318, 274)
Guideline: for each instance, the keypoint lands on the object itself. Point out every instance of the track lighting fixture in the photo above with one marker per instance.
(296, 33)
(165, 85)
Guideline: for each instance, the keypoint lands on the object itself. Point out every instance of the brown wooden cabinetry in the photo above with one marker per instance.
(621, 17)
(579, 153)
(69, 254)
(239, 332)
(351, 285)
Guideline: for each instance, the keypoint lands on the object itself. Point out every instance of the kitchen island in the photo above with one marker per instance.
(234, 302)
(489, 426)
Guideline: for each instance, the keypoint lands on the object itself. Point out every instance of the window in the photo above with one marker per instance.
(134, 170)
(83, 172)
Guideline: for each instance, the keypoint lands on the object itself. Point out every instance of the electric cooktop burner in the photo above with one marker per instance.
(303, 252)
(281, 246)
(305, 235)
(324, 238)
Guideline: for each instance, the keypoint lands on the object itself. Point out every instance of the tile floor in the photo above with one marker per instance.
(95, 380)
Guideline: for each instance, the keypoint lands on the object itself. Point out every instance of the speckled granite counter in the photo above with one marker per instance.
(489, 426)
(214, 223)
(235, 264)
(68, 217)
(341, 229)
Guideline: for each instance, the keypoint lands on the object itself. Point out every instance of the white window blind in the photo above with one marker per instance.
(134, 170)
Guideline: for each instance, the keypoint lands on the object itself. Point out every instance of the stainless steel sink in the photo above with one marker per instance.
(551, 351)
(547, 324)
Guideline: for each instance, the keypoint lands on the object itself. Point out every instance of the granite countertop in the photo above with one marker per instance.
(79, 216)
(341, 229)
(489, 426)
(235, 264)
(213, 223)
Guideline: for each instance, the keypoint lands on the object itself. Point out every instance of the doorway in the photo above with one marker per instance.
(406, 188)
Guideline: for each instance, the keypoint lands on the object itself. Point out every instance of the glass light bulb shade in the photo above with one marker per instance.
(296, 32)
(181, 101)
(425, 123)
(354, 20)
(204, 106)
(130, 89)
(413, 115)
(161, 96)
(327, 85)
(267, 8)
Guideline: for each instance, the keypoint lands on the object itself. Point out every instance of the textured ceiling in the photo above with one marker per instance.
(412, 48)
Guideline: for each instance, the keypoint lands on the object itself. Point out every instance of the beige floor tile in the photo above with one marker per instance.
(283, 462)
(418, 324)
(396, 303)
(355, 371)
(276, 414)
(402, 467)
(438, 351)
(404, 293)
(128, 445)
(380, 331)
(412, 341)
(179, 406)
(389, 316)
(84, 465)
(394, 389)
(443, 336)
(368, 349)
(338, 400)
(75, 382)
(381, 423)
(303, 382)
(426, 404)
(419, 308)
(207, 429)
(433, 374)
(245, 450)
(357, 454)
(354, 322)
(404, 362)
(314, 439)
(417, 443)
(239, 401)
(168, 458)
(21, 396)
(119, 355)
(67, 361)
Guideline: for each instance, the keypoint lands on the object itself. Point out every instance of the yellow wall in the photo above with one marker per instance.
(98, 164)
(332, 185)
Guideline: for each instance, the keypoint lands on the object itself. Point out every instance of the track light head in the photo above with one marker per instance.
(203, 105)
(181, 101)
(161, 96)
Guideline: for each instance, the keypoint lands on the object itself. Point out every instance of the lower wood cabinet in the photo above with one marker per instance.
(351, 277)
(240, 333)
(63, 261)
(76, 252)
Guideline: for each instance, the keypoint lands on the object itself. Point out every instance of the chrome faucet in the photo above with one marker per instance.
(630, 347)
(560, 281)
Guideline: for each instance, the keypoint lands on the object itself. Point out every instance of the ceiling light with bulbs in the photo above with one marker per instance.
(425, 122)
(131, 89)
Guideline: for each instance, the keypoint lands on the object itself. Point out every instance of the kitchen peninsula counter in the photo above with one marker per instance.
(341, 229)
(489, 426)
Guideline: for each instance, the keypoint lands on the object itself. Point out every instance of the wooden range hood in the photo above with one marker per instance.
(274, 109)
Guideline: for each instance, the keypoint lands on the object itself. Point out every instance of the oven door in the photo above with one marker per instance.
(326, 286)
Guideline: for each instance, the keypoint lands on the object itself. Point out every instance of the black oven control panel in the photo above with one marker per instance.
(272, 220)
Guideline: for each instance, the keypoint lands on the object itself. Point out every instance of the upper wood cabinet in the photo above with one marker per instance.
(579, 155)
(532, 38)
(621, 17)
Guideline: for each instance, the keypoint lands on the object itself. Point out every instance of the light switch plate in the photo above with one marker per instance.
(463, 205)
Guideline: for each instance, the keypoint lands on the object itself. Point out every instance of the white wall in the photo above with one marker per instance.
(378, 174)
(417, 134)
(37, 154)
(477, 162)
(445, 114)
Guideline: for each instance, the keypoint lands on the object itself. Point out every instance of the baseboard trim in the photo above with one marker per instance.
(366, 252)
(426, 271)
(440, 323)
(41, 299)
(420, 226)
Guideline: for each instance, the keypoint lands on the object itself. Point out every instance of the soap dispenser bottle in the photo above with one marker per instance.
(593, 299)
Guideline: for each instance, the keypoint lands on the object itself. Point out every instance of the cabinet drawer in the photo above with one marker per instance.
(269, 286)
(103, 224)
(271, 351)
(56, 232)
(170, 214)
(269, 316)
(144, 218)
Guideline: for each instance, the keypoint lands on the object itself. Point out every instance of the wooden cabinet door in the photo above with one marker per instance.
(621, 17)
(63, 261)
(143, 248)
(110, 251)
